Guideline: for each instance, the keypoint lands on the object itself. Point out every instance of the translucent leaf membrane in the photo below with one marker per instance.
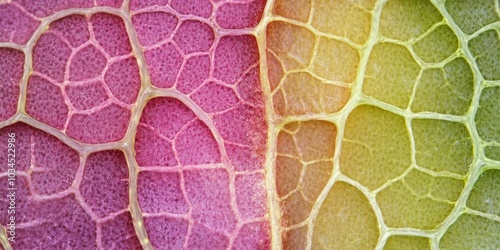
(250, 124)
(137, 125)
(414, 156)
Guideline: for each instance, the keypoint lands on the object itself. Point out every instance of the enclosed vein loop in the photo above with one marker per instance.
(84, 74)
(64, 198)
(57, 203)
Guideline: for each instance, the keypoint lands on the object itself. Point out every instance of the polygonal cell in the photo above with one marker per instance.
(139, 4)
(196, 144)
(315, 178)
(286, 143)
(437, 45)
(156, 131)
(391, 74)
(295, 209)
(73, 28)
(275, 70)
(447, 91)
(201, 8)
(104, 185)
(345, 220)
(488, 115)
(295, 238)
(87, 63)
(486, 51)
(15, 25)
(54, 164)
(194, 72)
(118, 233)
(166, 116)
(344, 18)
(442, 145)
(471, 232)
(335, 61)
(123, 79)
(165, 232)
(404, 20)
(194, 36)
(297, 10)
(418, 183)
(243, 124)
(213, 97)
(408, 203)
(208, 192)
(301, 93)
(376, 146)
(59, 223)
(152, 150)
(161, 192)
(251, 195)
(43, 8)
(472, 15)
(288, 172)
(492, 152)
(485, 196)
(253, 235)
(45, 102)
(11, 70)
(107, 124)
(202, 237)
(110, 33)
(233, 56)
(240, 15)
(50, 55)
(163, 64)
(405, 242)
(446, 188)
(316, 140)
(288, 165)
(154, 27)
(249, 87)
(288, 146)
(293, 45)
